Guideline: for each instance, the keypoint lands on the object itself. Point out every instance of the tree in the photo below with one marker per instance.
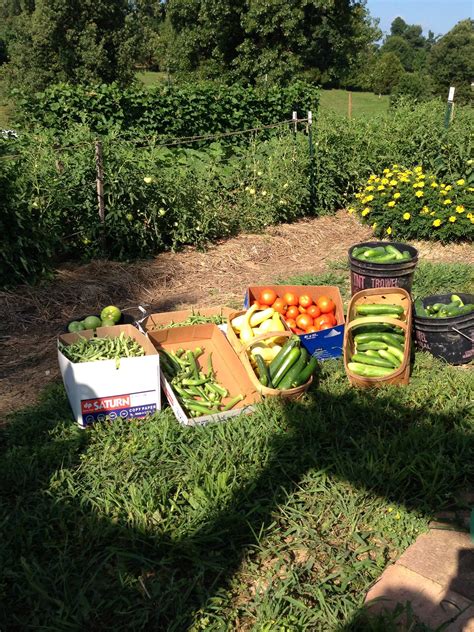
(387, 73)
(413, 85)
(451, 61)
(80, 41)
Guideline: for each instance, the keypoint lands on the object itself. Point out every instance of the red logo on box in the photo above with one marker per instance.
(105, 403)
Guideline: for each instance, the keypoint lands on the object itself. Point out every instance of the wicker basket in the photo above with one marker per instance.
(394, 296)
(242, 351)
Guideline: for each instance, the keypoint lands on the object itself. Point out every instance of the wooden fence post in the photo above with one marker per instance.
(100, 180)
(349, 106)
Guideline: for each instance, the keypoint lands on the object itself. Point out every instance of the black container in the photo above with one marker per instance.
(366, 275)
(449, 338)
(125, 319)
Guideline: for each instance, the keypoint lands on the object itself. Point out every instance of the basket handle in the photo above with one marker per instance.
(265, 336)
(375, 319)
(462, 334)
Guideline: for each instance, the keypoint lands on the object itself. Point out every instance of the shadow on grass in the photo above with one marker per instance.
(409, 455)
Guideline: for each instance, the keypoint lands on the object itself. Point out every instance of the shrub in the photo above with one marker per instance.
(411, 204)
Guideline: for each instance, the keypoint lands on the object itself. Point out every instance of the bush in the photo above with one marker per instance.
(171, 111)
(413, 86)
(410, 204)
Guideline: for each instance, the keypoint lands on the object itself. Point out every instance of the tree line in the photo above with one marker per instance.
(335, 43)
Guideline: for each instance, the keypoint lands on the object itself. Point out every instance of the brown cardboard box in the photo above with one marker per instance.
(155, 322)
(228, 369)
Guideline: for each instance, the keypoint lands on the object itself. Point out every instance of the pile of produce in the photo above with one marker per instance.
(443, 310)
(109, 316)
(277, 366)
(198, 392)
(106, 348)
(195, 319)
(379, 347)
(380, 254)
(303, 315)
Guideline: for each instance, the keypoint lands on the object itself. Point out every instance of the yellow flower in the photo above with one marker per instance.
(389, 230)
(415, 185)
(393, 183)
(394, 166)
(432, 213)
(358, 195)
(469, 216)
(366, 211)
(425, 210)
(461, 182)
(406, 216)
(374, 225)
(418, 169)
(252, 191)
(264, 193)
(384, 181)
(452, 219)
(471, 189)
(449, 187)
(434, 185)
(368, 198)
(404, 179)
(391, 204)
(351, 210)
(377, 179)
(372, 177)
(442, 186)
(436, 223)
(396, 195)
(369, 188)
(459, 208)
(448, 201)
(419, 194)
(380, 187)
(420, 176)
(386, 171)
(397, 516)
(443, 192)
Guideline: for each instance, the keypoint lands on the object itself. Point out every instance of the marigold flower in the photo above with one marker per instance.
(447, 201)
(391, 204)
(461, 181)
(393, 183)
(436, 223)
(386, 171)
(452, 219)
(369, 188)
(396, 195)
(380, 187)
(434, 184)
(459, 208)
(384, 181)
(448, 188)
(389, 230)
(418, 169)
(406, 216)
(366, 211)
(419, 194)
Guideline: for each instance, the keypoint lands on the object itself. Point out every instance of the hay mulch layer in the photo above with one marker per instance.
(32, 317)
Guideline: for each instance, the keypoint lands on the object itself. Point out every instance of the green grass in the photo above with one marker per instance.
(151, 78)
(364, 104)
(275, 521)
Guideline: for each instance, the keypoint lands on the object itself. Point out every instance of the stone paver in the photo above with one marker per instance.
(446, 557)
(430, 602)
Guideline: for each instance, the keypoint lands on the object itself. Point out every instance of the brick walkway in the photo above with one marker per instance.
(436, 575)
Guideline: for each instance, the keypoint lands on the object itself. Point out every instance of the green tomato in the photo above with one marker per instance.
(74, 326)
(92, 322)
(111, 313)
(108, 322)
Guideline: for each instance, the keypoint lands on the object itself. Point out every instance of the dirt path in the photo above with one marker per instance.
(32, 317)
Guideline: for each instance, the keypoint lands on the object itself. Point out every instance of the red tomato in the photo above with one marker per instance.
(302, 310)
(291, 322)
(326, 305)
(312, 330)
(325, 327)
(305, 300)
(304, 321)
(292, 312)
(325, 319)
(267, 297)
(314, 311)
(298, 331)
(280, 306)
(290, 298)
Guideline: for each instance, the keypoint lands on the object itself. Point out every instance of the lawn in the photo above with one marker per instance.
(275, 521)
(363, 103)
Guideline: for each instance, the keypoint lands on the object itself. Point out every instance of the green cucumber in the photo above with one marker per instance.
(306, 373)
(383, 259)
(457, 299)
(364, 370)
(285, 366)
(375, 345)
(386, 355)
(396, 352)
(394, 251)
(369, 309)
(369, 328)
(371, 360)
(420, 311)
(295, 370)
(278, 360)
(377, 251)
(263, 374)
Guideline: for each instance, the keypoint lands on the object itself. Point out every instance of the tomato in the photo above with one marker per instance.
(257, 304)
(325, 319)
(291, 322)
(267, 297)
(305, 300)
(325, 327)
(326, 305)
(280, 306)
(312, 329)
(290, 298)
(298, 331)
(314, 311)
(304, 321)
(302, 310)
(292, 312)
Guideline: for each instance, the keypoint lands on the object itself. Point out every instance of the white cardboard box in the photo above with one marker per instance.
(99, 390)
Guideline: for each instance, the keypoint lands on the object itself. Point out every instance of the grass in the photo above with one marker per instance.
(364, 104)
(279, 520)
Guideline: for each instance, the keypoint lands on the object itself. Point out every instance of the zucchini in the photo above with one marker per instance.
(263, 374)
(290, 359)
(306, 373)
(371, 360)
(295, 370)
(278, 360)
(369, 309)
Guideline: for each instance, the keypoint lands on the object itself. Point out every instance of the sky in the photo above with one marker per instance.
(438, 16)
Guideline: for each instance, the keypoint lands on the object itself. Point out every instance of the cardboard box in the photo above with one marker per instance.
(324, 344)
(99, 390)
(228, 369)
(154, 322)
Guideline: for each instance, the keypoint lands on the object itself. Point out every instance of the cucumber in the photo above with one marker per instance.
(263, 373)
(386, 355)
(396, 352)
(285, 366)
(295, 370)
(377, 251)
(371, 360)
(369, 309)
(394, 251)
(457, 299)
(278, 360)
(383, 259)
(420, 310)
(306, 373)
(374, 344)
(365, 370)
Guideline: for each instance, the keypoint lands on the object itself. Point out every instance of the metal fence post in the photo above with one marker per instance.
(311, 160)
